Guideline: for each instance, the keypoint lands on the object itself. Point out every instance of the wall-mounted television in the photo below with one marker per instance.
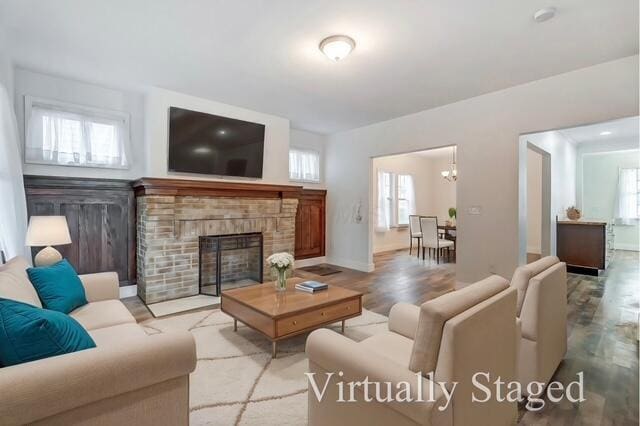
(214, 145)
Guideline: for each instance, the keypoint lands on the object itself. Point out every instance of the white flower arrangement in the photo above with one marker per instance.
(280, 261)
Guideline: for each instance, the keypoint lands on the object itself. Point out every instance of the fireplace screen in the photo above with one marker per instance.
(230, 261)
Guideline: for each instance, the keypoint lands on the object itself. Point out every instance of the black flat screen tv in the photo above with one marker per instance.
(213, 145)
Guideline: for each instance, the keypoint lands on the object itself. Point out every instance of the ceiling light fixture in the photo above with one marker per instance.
(605, 133)
(337, 47)
(544, 14)
(452, 174)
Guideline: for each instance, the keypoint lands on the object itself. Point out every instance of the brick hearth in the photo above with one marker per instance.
(169, 227)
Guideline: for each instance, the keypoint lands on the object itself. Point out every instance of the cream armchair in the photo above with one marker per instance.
(454, 336)
(542, 318)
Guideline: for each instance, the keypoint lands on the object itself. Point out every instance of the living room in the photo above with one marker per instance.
(209, 206)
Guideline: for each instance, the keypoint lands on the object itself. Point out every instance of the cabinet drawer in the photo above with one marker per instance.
(317, 317)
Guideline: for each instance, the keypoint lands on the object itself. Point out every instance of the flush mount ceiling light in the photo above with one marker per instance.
(605, 133)
(544, 14)
(337, 47)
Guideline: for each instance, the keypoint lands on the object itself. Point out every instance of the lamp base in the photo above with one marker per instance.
(47, 256)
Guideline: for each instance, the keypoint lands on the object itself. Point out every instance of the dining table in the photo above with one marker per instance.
(449, 234)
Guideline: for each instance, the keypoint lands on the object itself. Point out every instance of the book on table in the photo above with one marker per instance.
(311, 286)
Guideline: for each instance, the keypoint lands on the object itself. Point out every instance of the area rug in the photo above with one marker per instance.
(236, 382)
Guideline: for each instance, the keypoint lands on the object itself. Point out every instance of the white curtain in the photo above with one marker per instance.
(13, 207)
(626, 209)
(304, 165)
(411, 194)
(383, 219)
(71, 138)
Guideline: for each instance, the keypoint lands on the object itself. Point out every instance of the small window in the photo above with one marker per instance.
(396, 200)
(73, 135)
(405, 190)
(304, 165)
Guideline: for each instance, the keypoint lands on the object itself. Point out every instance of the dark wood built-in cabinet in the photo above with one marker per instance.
(583, 245)
(310, 224)
(101, 218)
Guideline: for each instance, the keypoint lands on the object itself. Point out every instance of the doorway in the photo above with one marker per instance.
(538, 202)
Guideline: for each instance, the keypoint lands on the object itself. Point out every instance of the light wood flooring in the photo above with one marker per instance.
(602, 327)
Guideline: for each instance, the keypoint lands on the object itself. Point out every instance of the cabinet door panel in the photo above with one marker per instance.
(310, 225)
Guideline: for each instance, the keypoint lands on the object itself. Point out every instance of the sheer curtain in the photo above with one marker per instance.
(304, 165)
(383, 214)
(67, 137)
(13, 207)
(626, 209)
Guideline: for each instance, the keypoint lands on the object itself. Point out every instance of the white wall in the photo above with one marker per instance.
(313, 141)
(599, 182)
(158, 101)
(534, 202)
(486, 130)
(434, 195)
(6, 66)
(72, 91)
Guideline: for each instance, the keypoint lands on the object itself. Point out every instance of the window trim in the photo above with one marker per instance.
(97, 113)
(307, 150)
(394, 200)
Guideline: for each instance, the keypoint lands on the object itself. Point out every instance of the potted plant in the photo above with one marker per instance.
(452, 216)
(280, 264)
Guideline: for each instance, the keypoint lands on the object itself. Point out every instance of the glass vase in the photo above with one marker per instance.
(280, 279)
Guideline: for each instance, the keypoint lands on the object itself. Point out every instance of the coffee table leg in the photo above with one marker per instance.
(274, 348)
(235, 325)
(342, 326)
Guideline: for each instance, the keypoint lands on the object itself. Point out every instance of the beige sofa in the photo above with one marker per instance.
(454, 336)
(542, 318)
(129, 378)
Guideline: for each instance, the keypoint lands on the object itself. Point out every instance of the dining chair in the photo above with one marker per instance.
(431, 239)
(414, 232)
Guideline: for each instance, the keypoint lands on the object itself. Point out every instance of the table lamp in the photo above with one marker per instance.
(47, 231)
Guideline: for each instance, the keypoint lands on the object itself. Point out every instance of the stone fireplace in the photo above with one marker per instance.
(173, 215)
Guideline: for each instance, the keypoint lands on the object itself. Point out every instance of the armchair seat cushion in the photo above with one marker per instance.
(390, 345)
(105, 313)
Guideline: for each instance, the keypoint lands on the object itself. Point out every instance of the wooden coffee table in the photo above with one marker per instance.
(280, 315)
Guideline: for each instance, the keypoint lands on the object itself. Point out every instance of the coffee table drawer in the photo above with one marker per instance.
(317, 317)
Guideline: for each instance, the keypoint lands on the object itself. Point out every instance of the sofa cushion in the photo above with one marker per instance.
(105, 313)
(390, 345)
(15, 284)
(435, 313)
(28, 333)
(117, 335)
(522, 275)
(58, 286)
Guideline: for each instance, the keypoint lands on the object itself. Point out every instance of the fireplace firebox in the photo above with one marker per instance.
(229, 261)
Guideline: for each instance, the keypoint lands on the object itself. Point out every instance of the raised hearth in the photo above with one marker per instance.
(172, 215)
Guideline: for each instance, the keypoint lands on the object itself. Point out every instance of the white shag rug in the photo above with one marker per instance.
(236, 382)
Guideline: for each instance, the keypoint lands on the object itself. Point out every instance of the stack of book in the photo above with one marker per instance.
(311, 286)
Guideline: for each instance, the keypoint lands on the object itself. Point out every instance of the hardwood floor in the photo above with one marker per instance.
(602, 329)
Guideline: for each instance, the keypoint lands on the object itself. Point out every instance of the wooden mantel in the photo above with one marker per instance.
(161, 186)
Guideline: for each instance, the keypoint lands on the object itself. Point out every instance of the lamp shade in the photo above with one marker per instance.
(48, 231)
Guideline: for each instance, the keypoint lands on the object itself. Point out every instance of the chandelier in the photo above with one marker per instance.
(452, 174)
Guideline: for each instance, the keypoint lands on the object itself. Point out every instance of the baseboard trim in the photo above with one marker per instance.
(128, 291)
(358, 266)
(303, 263)
(630, 247)
(391, 247)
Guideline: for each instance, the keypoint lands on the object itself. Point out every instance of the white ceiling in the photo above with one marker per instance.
(624, 129)
(411, 55)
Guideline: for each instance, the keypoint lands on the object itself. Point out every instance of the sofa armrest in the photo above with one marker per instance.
(333, 352)
(39, 389)
(403, 319)
(101, 286)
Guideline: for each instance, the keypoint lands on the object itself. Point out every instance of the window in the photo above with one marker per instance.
(628, 202)
(304, 165)
(396, 200)
(73, 135)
